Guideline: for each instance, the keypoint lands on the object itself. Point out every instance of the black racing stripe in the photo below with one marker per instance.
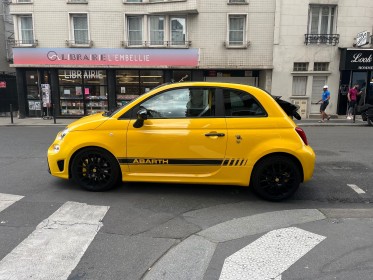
(156, 161)
(225, 162)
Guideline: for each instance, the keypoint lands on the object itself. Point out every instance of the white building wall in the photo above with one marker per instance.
(352, 16)
(207, 27)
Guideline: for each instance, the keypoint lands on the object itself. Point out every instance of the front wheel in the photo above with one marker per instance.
(276, 178)
(95, 170)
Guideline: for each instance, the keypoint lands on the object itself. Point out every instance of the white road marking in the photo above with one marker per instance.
(8, 199)
(270, 255)
(356, 188)
(56, 246)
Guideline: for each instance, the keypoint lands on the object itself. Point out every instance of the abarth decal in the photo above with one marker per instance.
(158, 161)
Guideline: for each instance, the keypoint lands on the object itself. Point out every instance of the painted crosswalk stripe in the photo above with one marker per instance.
(356, 188)
(8, 199)
(269, 256)
(54, 249)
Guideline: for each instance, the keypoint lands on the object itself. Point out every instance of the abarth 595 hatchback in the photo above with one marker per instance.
(190, 132)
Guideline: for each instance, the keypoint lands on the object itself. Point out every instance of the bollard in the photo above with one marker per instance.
(11, 113)
(54, 114)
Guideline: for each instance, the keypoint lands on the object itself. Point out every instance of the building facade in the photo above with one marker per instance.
(8, 91)
(77, 57)
(311, 40)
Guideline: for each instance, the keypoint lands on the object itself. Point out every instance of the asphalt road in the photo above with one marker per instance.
(51, 228)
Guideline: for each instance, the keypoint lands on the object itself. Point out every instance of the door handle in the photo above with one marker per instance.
(215, 134)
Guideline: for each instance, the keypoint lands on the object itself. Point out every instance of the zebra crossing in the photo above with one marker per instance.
(57, 244)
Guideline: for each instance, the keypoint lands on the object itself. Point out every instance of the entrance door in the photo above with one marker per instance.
(317, 85)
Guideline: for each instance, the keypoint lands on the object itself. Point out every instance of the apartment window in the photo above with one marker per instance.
(134, 1)
(156, 30)
(321, 66)
(237, 30)
(178, 30)
(299, 85)
(22, 1)
(79, 23)
(321, 19)
(26, 31)
(300, 66)
(135, 30)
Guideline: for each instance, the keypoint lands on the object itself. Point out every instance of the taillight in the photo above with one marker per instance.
(302, 134)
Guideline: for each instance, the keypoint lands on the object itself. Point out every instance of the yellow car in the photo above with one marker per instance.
(195, 133)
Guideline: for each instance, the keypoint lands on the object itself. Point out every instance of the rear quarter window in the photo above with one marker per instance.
(241, 104)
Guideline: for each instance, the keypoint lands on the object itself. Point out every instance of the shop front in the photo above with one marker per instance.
(78, 82)
(356, 67)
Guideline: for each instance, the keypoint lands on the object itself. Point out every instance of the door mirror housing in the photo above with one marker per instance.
(142, 115)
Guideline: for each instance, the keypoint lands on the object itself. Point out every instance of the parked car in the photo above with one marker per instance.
(190, 132)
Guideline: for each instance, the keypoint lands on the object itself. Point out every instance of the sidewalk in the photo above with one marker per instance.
(6, 121)
(335, 121)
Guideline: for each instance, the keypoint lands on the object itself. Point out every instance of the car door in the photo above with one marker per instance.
(181, 136)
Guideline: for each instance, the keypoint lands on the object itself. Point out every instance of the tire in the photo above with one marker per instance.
(95, 170)
(276, 178)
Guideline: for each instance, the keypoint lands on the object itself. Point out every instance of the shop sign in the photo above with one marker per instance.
(362, 38)
(359, 59)
(106, 57)
(2, 84)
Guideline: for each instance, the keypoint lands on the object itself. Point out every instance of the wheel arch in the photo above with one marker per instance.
(290, 156)
(89, 147)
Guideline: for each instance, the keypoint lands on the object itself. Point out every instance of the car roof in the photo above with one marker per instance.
(271, 105)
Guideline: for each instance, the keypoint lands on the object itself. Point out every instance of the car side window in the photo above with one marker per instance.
(239, 103)
(191, 102)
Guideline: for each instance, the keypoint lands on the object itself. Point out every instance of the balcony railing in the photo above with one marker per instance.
(329, 39)
(79, 43)
(22, 43)
(156, 44)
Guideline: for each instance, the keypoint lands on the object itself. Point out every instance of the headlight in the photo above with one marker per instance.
(63, 134)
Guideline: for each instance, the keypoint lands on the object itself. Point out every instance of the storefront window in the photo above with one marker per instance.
(132, 83)
(150, 79)
(82, 91)
(128, 86)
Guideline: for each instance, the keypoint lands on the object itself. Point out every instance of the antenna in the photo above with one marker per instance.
(183, 78)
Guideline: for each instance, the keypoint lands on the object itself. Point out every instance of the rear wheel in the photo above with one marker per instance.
(95, 170)
(276, 178)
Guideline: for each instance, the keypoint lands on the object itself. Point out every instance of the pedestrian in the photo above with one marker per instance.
(324, 103)
(352, 98)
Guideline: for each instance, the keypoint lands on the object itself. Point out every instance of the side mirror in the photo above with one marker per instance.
(142, 115)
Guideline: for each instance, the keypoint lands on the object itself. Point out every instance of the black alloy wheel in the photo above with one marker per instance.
(276, 178)
(95, 170)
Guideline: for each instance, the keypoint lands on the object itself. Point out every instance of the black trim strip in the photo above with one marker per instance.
(172, 161)
(157, 161)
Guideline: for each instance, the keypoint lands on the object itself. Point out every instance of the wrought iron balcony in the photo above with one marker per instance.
(22, 43)
(79, 43)
(329, 39)
(156, 44)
